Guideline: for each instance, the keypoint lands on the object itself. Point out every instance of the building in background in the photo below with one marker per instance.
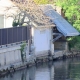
(7, 13)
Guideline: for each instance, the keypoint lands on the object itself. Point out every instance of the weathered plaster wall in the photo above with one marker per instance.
(41, 40)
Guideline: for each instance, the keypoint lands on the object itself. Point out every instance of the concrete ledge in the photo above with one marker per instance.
(7, 49)
(58, 53)
(42, 54)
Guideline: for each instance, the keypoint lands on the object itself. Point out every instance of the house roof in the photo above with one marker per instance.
(62, 25)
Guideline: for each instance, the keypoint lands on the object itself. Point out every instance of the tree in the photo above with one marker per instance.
(29, 9)
(44, 1)
(71, 9)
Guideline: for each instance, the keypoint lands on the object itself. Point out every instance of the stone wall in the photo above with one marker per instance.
(9, 56)
(61, 46)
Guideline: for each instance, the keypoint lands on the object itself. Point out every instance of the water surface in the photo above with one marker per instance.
(59, 70)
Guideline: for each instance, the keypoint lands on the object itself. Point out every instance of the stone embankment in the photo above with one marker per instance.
(10, 59)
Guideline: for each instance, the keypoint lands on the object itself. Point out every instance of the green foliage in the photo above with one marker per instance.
(71, 9)
(72, 42)
(22, 50)
(43, 1)
(22, 47)
(19, 19)
(15, 23)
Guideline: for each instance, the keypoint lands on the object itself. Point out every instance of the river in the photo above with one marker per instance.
(68, 69)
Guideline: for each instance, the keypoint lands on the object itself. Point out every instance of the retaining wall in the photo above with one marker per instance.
(10, 56)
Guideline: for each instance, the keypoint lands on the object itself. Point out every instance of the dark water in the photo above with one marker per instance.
(58, 70)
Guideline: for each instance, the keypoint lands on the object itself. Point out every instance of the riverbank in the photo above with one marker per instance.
(47, 59)
(11, 58)
(68, 69)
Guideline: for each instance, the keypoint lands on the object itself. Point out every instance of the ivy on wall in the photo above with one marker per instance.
(23, 53)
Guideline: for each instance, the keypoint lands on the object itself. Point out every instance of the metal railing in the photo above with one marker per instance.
(14, 35)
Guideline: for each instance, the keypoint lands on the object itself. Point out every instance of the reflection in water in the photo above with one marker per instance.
(59, 70)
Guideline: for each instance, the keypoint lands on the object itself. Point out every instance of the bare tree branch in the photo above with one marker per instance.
(33, 11)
